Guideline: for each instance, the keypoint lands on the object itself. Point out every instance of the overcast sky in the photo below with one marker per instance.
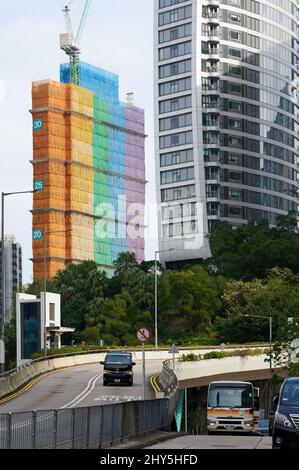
(118, 36)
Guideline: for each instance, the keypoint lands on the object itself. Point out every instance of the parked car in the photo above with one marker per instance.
(285, 427)
(118, 368)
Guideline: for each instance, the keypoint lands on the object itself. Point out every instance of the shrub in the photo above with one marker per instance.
(214, 355)
(190, 357)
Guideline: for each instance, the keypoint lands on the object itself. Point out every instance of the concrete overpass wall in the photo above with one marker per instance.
(201, 373)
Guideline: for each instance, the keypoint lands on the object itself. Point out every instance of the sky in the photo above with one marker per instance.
(118, 37)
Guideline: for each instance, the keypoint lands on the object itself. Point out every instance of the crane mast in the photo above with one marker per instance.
(70, 45)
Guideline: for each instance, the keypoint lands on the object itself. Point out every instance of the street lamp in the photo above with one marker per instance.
(156, 294)
(45, 234)
(2, 318)
(270, 347)
(270, 335)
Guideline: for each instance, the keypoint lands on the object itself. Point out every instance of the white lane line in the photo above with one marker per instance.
(89, 388)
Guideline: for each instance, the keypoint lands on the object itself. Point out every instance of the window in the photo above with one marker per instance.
(173, 140)
(235, 212)
(235, 194)
(175, 69)
(170, 52)
(52, 312)
(235, 88)
(234, 106)
(235, 123)
(235, 71)
(235, 36)
(234, 141)
(175, 158)
(173, 34)
(235, 18)
(234, 159)
(172, 16)
(234, 53)
(181, 192)
(177, 175)
(175, 122)
(235, 176)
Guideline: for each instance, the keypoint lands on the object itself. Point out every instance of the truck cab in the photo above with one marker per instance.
(118, 368)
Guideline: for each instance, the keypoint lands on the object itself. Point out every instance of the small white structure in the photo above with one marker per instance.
(31, 321)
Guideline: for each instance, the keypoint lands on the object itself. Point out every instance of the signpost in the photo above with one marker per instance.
(174, 350)
(2, 353)
(143, 335)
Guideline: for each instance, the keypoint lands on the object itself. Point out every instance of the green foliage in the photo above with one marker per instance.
(10, 345)
(277, 296)
(190, 357)
(249, 251)
(189, 300)
(91, 335)
(222, 354)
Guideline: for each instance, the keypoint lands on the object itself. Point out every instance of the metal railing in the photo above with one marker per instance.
(85, 428)
(167, 380)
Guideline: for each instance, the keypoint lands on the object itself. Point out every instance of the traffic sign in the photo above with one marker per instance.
(143, 334)
(173, 350)
(37, 234)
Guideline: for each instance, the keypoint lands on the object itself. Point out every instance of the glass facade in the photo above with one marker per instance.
(240, 92)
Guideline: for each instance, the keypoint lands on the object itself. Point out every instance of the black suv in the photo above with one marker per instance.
(118, 368)
(285, 432)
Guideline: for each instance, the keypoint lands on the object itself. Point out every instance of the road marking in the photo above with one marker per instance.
(31, 384)
(117, 398)
(89, 388)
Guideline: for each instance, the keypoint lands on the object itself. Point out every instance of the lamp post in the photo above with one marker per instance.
(270, 319)
(270, 335)
(2, 318)
(45, 234)
(156, 294)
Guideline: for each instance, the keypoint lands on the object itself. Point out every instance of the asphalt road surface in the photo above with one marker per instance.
(216, 442)
(79, 387)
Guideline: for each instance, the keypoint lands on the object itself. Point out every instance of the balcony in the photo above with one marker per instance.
(212, 34)
(211, 87)
(213, 69)
(212, 17)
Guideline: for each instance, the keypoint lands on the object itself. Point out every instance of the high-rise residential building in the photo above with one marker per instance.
(89, 153)
(226, 114)
(13, 273)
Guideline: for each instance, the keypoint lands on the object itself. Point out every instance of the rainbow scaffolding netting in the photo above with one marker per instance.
(89, 150)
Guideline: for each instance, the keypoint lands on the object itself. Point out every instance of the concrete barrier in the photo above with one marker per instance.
(200, 373)
(12, 382)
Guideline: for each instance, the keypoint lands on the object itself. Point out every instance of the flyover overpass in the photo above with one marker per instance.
(128, 419)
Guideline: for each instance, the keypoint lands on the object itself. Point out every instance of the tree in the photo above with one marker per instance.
(276, 296)
(79, 286)
(124, 263)
(188, 302)
(10, 345)
(286, 349)
(249, 251)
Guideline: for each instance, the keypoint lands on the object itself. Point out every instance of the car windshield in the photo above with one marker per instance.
(118, 359)
(290, 394)
(231, 397)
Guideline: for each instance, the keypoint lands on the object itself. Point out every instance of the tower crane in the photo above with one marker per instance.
(70, 43)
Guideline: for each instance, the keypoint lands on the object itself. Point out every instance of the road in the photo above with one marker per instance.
(215, 442)
(79, 387)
